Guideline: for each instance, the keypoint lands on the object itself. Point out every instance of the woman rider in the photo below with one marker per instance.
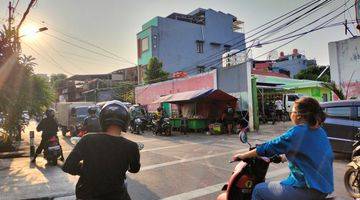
(308, 151)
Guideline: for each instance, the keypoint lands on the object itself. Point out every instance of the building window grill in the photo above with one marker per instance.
(200, 46)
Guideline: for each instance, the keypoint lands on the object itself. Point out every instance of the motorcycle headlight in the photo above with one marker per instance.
(137, 120)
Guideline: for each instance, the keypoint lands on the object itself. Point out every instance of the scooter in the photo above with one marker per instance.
(52, 150)
(247, 174)
(352, 173)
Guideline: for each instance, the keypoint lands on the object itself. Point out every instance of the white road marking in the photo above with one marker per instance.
(189, 160)
(177, 145)
(216, 188)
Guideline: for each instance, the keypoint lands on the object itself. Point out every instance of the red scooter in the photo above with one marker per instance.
(247, 174)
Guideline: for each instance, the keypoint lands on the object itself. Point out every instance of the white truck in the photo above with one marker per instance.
(71, 115)
(289, 100)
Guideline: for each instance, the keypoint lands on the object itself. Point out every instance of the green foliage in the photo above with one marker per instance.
(58, 82)
(20, 88)
(124, 92)
(154, 72)
(312, 72)
(335, 89)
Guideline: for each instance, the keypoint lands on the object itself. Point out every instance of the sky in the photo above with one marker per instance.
(113, 24)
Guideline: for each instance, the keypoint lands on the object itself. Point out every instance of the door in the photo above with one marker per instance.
(339, 127)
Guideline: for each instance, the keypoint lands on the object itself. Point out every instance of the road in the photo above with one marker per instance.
(178, 167)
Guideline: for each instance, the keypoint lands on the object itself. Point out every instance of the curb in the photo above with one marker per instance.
(14, 154)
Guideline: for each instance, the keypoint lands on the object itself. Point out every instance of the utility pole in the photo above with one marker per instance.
(10, 16)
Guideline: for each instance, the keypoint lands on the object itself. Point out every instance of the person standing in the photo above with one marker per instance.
(279, 107)
(102, 159)
(228, 118)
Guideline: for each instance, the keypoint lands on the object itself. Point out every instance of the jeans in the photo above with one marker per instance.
(276, 191)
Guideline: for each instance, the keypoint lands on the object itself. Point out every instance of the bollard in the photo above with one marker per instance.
(32, 146)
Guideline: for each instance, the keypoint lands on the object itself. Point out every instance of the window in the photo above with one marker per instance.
(292, 97)
(200, 46)
(145, 44)
(338, 112)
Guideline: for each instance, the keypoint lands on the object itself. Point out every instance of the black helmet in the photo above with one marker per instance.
(92, 110)
(50, 112)
(114, 113)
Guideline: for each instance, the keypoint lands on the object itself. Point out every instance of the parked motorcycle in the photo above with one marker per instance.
(247, 174)
(52, 150)
(164, 128)
(352, 173)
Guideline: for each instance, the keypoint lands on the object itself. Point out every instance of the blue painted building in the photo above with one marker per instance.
(181, 41)
(292, 64)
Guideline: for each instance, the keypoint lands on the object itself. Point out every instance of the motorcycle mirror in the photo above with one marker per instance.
(74, 140)
(243, 137)
(140, 146)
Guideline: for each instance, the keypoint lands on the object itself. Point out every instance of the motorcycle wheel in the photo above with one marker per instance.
(352, 182)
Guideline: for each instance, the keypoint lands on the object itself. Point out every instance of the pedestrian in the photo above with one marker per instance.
(279, 109)
(102, 159)
(49, 128)
(308, 151)
(228, 118)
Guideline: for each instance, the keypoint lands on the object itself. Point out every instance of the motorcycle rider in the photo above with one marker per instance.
(308, 151)
(91, 123)
(102, 169)
(49, 127)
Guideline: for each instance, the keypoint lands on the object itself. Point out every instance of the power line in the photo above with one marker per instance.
(51, 59)
(291, 32)
(267, 26)
(276, 29)
(122, 59)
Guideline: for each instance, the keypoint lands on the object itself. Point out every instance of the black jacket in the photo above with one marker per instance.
(48, 127)
(105, 160)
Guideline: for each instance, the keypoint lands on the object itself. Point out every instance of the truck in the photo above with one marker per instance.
(70, 116)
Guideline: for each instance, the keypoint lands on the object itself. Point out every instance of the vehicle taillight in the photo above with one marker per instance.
(245, 182)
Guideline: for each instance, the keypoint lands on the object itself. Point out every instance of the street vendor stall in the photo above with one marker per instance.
(196, 109)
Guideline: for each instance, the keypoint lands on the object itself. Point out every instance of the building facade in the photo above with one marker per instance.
(181, 41)
(146, 95)
(292, 64)
(345, 65)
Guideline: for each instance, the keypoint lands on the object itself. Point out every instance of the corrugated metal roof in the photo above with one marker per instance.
(287, 83)
(195, 95)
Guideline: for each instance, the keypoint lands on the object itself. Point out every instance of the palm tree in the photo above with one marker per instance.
(27, 61)
(335, 89)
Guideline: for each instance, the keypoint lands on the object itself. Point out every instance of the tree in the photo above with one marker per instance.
(335, 89)
(58, 82)
(154, 72)
(20, 89)
(124, 92)
(312, 72)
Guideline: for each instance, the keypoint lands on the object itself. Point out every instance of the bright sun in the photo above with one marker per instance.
(29, 32)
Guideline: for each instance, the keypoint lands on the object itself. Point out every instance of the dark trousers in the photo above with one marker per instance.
(41, 146)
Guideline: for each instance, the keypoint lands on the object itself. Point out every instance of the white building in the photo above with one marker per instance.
(345, 65)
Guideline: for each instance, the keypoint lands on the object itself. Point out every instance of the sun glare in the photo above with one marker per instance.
(29, 32)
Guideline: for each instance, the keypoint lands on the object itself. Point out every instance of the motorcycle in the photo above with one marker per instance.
(52, 150)
(352, 173)
(164, 128)
(137, 126)
(247, 174)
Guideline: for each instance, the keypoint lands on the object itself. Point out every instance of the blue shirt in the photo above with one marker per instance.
(309, 154)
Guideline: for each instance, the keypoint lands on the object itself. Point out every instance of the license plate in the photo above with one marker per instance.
(54, 148)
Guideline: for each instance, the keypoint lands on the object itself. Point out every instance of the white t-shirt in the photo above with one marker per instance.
(279, 105)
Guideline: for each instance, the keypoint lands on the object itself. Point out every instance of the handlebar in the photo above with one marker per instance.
(274, 159)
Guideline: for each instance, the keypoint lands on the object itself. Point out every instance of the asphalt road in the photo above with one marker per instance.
(173, 168)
